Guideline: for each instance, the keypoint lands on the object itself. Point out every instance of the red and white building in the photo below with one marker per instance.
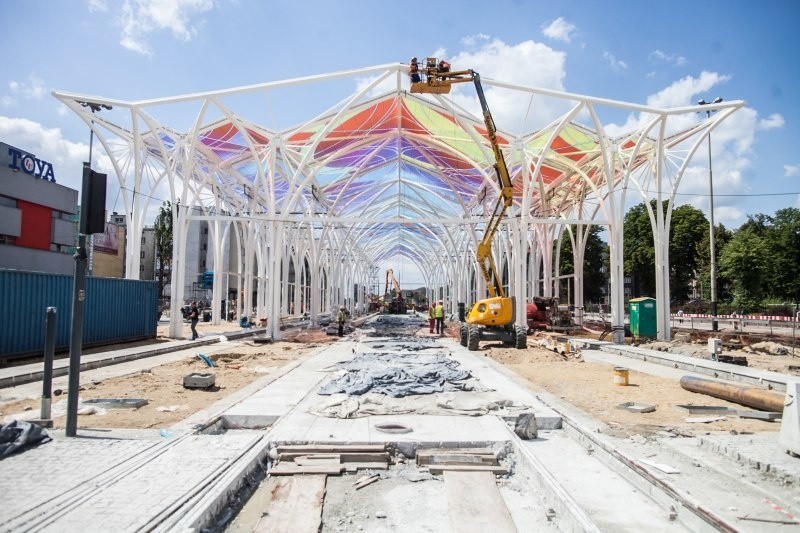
(38, 217)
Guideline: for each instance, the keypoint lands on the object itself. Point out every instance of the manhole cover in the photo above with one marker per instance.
(389, 427)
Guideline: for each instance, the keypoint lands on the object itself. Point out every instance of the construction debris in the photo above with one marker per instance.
(329, 459)
(526, 427)
(460, 459)
(636, 407)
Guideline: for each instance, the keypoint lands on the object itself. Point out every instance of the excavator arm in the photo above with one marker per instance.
(395, 285)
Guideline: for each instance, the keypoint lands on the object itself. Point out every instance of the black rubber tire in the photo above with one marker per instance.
(473, 337)
(463, 334)
(521, 337)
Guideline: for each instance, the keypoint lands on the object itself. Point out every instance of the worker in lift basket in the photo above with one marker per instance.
(438, 313)
(340, 319)
(413, 71)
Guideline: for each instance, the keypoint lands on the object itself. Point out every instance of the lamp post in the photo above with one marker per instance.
(713, 251)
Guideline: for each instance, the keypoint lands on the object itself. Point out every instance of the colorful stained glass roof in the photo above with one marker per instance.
(401, 170)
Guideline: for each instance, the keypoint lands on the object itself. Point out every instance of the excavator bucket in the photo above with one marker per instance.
(430, 87)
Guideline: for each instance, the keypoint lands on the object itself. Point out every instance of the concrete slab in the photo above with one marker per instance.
(289, 403)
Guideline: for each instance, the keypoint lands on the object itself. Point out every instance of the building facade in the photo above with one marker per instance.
(38, 217)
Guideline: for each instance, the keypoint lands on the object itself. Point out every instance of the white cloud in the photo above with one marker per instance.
(774, 121)
(559, 30)
(731, 145)
(33, 89)
(48, 144)
(616, 64)
(142, 17)
(472, 41)
(97, 6)
(7, 101)
(528, 64)
(790, 171)
(657, 56)
(67, 157)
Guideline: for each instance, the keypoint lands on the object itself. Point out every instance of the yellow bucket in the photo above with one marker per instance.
(620, 376)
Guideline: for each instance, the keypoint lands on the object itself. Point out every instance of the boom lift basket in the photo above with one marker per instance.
(431, 86)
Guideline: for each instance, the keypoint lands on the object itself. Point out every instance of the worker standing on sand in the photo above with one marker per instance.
(194, 318)
(438, 314)
(340, 319)
(431, 317)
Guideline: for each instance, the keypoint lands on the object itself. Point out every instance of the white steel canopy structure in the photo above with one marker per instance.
(370, 175)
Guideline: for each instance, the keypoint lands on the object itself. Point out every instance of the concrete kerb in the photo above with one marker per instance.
(751, 376)
(25, 374)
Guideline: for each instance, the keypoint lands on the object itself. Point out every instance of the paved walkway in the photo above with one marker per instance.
(185, 477)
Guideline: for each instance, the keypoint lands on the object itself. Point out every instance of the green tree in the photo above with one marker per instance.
(639, 251)
(722, 236)
(783, 241)
(688, 228)
(743, 261)
(162, 230)
(688, 249)
(594, 277)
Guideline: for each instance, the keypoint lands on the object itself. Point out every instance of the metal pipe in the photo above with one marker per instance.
(49, 354)
(749, 396)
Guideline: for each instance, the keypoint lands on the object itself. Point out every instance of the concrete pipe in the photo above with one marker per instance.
(749, 396)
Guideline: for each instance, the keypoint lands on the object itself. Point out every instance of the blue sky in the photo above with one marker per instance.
(668, 53)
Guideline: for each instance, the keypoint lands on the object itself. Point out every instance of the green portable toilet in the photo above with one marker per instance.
(643, 317)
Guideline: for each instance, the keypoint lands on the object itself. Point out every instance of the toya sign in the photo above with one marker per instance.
(28, 163)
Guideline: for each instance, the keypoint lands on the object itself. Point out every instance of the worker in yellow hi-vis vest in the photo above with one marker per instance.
(438, 314)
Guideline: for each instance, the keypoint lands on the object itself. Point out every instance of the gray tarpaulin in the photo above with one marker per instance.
(17, 435)
(398, 375)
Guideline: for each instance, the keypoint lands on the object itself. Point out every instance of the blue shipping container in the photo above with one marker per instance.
(115, 310)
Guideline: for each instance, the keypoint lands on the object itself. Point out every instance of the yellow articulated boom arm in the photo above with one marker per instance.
(498, 309)
(438, 82)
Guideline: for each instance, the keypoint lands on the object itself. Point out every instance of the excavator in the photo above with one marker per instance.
(397, 306)
(493, 318)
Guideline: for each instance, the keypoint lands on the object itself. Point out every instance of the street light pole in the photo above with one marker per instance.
(713, 251)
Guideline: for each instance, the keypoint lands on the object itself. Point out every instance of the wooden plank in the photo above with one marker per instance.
(307, 449)
(493, 469)
(365, 457)
(290, 469)
(311, 460)
(366, 480)
(475, 504)
(344, 457)
(352, 467)
(295, 507)
(434, 451)
(446, 458)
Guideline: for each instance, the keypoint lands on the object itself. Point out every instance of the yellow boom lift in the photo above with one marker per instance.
(492, 318)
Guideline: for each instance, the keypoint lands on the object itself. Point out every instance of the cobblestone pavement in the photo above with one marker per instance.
(119, 482)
